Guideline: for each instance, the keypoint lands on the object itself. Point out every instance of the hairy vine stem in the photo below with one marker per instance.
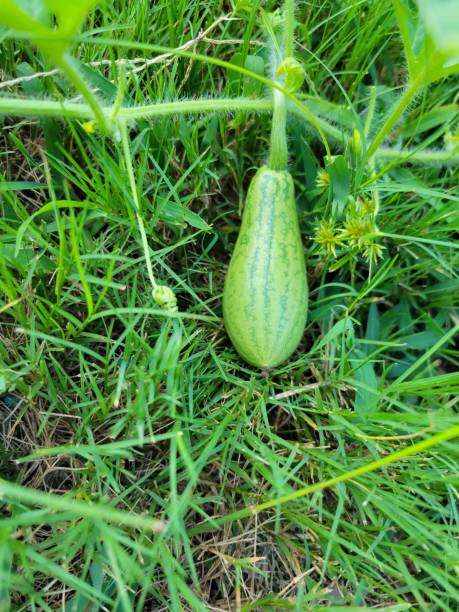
(66, 64)
(135, 197)
(278, 151)
(402, 104)
(18, 107)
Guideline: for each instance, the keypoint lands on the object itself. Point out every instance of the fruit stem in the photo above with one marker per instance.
(278, 151)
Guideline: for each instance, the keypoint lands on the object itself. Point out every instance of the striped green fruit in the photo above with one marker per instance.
(265, 299)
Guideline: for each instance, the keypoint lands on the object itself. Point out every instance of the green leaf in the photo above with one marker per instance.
(340, 328)
(366, 393)
(30, 18)
(235, 78)
(37, 10)
(336, 113)
(50, 206)
(70, 15)
(304, 154)
(6, 561)
(422, 340)
(21, 185)
(14, 17)
(107, 89)
(373, 327)
(50, 125)
(250, 86)
(20, 260)
(174, 213)
(340, 181)
(243, 6)
(405, 24)
(441, 115)
(441, 18)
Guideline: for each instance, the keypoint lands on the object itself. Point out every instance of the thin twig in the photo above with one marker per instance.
(201, 37)
(296, 391)
(188, 45)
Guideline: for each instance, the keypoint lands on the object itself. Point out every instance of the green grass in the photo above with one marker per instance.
(144, 465)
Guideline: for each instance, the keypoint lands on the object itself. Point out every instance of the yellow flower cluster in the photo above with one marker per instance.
(358, 232)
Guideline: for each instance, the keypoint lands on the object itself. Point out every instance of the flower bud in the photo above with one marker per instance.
(165, 297)
(293, 74)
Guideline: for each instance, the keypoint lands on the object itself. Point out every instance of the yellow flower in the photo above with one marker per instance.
(322, 180)
(89, 127)
(327, 238)
(165, 297)
(367, 206)
(372, 251)
(354, 229)
(356, 139)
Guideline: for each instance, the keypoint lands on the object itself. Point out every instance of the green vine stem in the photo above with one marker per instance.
(301, 109)
(66, 63)
(198, 105)
(46, 108)
(278, 150)
(120, 94)
(18, 107)
(10, 106)
(426, 156)
(404, 101)
(135, 197)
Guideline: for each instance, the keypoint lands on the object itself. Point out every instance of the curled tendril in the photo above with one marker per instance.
(165, 297)
(293, 74)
